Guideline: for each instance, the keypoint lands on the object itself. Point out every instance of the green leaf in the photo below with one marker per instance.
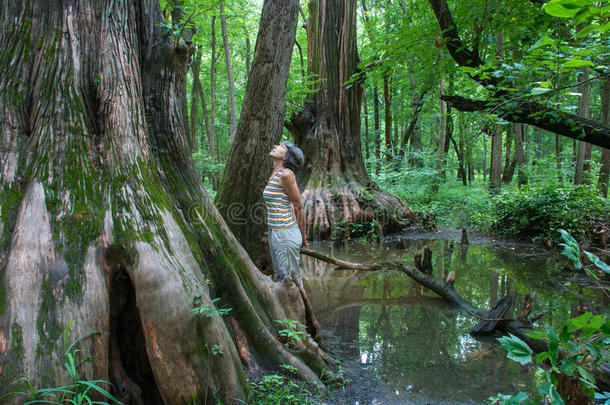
(597, 262)
(578, 63)
(517, 349)
(540, 357)
(553, 346)
(562, 9)
(538, 90)
(543, 41)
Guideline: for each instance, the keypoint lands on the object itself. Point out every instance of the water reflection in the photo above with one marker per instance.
(412, 339)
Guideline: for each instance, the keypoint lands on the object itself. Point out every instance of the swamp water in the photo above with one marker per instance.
(400, 343)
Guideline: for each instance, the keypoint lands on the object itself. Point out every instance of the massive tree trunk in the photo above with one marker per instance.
(337, 186)
(240, 197)
(104, 220)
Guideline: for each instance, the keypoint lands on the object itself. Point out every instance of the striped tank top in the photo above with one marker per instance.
(279, 207)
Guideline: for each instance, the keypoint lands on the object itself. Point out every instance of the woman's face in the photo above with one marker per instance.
(278, 152)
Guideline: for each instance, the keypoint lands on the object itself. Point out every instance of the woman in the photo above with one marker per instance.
(285, 213)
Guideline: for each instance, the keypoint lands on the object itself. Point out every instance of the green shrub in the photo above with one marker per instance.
(539, 211)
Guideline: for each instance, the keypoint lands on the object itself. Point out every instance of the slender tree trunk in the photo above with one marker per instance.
(496, 140)
(604, 170)
(366, 124)
(213, 83)
(485, 159)
(247, 51)
(558, 158)
(225, 40)
(442, 134)
(417, 103)
(387, 105)
(584, 149)
(337, 186)
(198, 90)
(508, 169)
(520, 154)
(377, 129)
(105, 222)
(195, 66)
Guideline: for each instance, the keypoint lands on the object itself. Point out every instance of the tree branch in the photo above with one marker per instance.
(532, 113)
(526, 112)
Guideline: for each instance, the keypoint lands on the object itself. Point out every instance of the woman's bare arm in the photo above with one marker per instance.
(289, 184)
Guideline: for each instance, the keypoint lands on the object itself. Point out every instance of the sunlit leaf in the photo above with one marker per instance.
(517, 349)
(578, 63)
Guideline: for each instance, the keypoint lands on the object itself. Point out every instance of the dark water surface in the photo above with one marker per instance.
(402, 344)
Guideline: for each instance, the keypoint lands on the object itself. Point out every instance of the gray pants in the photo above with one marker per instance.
(284, 246)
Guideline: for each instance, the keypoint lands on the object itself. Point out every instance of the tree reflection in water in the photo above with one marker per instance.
(411, 338)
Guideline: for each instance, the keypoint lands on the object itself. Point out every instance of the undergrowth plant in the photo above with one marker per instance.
(291, 330)
(580, 345)
(78, 392)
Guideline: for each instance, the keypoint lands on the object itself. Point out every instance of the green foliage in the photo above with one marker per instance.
(572, 251)
(208, 311)
(79, 392)
(278, 390)
(584, 343)
(292, 330)
(539, 211)
(517, 349)
(346, 230)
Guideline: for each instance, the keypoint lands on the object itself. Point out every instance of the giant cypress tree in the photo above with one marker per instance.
(336, 186)
(104, 220)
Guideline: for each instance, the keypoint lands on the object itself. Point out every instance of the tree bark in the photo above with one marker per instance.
(520, 154)
(366, 125)
(387, 116)
(337, 187)
(442, 134)
(584, 148)
(231, 82)
(104, 198)
(239, 199)
(604, 170)
(495, 169)
(377, 129)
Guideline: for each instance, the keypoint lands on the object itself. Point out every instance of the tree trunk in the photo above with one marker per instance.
(336, 185)
(247, 51)
(415, 144)
(442, 134)
(225, 40)
(558, 158)
(239, 199)
(213, 85)
(198, 92)
(366, 125)
(507, 173)
(604, 170)
(377, 129)
(387, 117)
(104, 220)
(520, 154)
(584, 148)
(495, 170)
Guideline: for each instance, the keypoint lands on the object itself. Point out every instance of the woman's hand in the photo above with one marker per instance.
(304, 244)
